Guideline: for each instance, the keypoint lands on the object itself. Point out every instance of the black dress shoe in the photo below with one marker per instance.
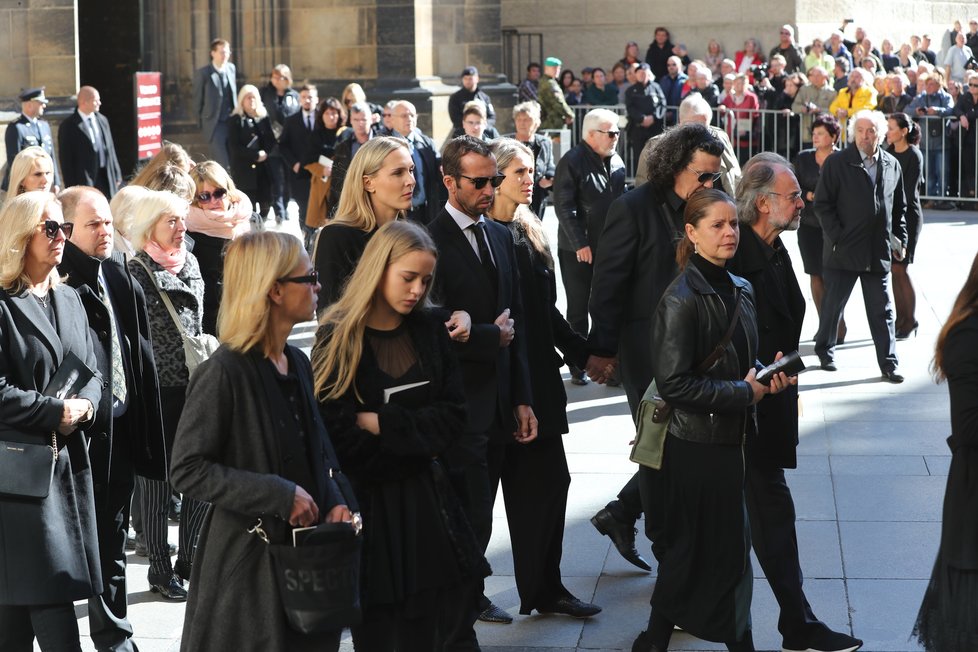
(644, 644)
(892, 376)
(493, 614)
(623, 536)
(571, 606)
(169, 589)
(827, 364)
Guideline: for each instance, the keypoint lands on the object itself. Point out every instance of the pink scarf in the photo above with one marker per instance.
(227, 225)
(171, 261)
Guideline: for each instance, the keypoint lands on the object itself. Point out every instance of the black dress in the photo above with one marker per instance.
(247, 137)
(912, 162)
(948, 620)
(807, 170)
(338, 250)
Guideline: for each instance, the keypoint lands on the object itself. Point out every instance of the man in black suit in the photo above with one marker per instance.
(769, 202)
(298, 147)
(214, 88)
(127, 437)
(87, 150)
(478, 274)
(635, 264)
(428, 197)
(27, 130)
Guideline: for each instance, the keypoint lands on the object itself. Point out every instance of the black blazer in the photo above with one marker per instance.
(780, 308)
(79, 160)
(298, 145)
(246, 137)
(496, 379)
(142, 423)
(434, 187)
(49, 547)
(19, 135)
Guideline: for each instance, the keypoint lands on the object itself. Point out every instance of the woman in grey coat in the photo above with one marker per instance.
(251, 442)
(48, 546)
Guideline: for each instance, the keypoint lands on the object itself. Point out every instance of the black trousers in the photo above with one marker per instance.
(879, 313)
(53, 625)
(300, 193)
(387, 628)
(279, 190)
(771, 511)
(535, 481)
(108, 612)
(577, 284)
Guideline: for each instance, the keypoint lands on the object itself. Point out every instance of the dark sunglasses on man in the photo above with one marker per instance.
(206, 195)
(480, 182)
(703, 177)
(310, 279)
(51, 228)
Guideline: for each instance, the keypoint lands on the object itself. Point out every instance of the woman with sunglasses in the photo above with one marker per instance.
(251, 443)
(49, 545)
(218, 214)
(31, 169)
(537, 468)
(250, 143)
(390, 392)
(157, 228)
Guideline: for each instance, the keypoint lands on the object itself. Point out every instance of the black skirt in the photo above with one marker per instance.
(810, 245)
(705, 580)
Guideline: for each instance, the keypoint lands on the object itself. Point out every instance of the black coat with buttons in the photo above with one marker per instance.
(246, 138)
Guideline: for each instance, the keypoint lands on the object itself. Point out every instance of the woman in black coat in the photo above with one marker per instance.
(250, 142)
(391, 395)
(48, 546)
(705, 581)
(903, 134)
(251, 443)
(948, 621)
(537, 468)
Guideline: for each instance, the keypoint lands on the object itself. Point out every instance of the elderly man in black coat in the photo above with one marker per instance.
(635, 264)
(429, 192)
(127, 436)
(88, 156)
(864, 227)
(769, 203)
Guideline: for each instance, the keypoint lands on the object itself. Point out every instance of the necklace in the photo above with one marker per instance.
(44, 301)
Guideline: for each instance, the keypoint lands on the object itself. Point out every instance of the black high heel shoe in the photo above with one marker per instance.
(905, 335)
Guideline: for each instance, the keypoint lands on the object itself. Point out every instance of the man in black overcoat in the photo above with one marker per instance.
(635, 264)
(478, 273)
(88, 156)
(428, 191)
(27, 130)
(769, 203)
(127, 437)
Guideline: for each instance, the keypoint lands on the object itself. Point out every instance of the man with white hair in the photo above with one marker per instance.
(864, 228)
(589, 177)
(787, 48)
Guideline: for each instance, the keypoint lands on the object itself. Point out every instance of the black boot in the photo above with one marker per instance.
(644, 643)
(745, 644)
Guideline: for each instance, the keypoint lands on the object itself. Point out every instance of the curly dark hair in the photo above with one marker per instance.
(672, 152)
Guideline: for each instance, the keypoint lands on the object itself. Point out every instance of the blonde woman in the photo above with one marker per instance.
(50, 544)
(156, 230)
(250, 141)
(31, 169)
(252, 444)
(169, 154)
(418, 546)
(122, 206)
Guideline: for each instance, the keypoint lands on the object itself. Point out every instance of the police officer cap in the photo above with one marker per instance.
(470, 70)
(553, 61)
(33, 94)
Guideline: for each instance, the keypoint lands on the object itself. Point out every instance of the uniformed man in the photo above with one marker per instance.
(554, 112)
(28, 130)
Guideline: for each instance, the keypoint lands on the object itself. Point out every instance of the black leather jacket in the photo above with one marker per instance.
(584, 187)
(689, 322)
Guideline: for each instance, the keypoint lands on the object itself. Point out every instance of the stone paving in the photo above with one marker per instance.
(868, 491)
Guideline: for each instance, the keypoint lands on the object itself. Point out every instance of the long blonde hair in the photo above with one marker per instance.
(334, 364)
(23, 166)
(354, 208)
(252, 264)
(19, 220)
(505, 150)
(169, 154)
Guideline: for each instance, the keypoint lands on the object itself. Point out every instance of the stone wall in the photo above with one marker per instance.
(38, 47)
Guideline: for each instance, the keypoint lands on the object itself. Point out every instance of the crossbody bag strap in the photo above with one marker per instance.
(163, 296)
(722, 345)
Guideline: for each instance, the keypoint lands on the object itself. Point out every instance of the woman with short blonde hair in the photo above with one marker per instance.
(122, 206)
(31, 169)
(250, 141)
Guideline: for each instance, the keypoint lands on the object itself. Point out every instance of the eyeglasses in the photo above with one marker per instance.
(480, 182)
(611, 134)
(309, 279)
(206, 195)
(703, 177)
(793, 196)
(51, 228)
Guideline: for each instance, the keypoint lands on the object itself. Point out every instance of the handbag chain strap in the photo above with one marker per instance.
(163, 295)
(722, 345)
(54, 444)
(258, 531)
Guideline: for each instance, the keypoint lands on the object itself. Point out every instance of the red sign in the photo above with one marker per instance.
(149, 114)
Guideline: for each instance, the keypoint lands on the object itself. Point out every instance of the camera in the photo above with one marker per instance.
(759, 71)
(971, 64)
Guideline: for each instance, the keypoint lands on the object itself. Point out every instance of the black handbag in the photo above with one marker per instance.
(26, 470)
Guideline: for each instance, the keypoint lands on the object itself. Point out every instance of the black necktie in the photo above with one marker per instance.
(479, 230)
(309, 121)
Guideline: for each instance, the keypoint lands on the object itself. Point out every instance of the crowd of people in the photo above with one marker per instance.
(434, 378)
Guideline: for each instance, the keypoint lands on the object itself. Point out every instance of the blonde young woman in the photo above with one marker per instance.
(31, 169)
(419, 549)
(252, 444)
(169, 154)
(49, 545)
(250, 142)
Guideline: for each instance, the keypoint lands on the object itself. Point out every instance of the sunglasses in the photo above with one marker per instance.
(703, 177)
(206, 195)
(51, 228)
(480, 182)
(309, 279)
(611, 134)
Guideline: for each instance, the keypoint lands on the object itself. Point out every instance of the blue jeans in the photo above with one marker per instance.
(936, 181)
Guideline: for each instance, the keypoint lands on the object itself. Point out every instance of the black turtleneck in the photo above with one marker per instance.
(719, 279)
